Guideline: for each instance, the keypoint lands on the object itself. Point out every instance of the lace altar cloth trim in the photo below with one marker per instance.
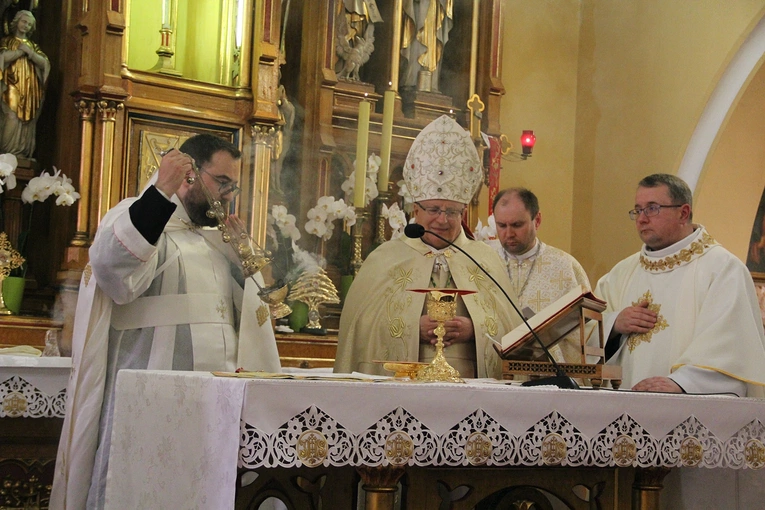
(399, 438)
(21, 399)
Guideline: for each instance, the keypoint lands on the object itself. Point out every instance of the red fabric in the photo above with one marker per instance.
(495, 167)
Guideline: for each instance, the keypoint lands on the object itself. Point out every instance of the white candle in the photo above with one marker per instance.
(362, 143)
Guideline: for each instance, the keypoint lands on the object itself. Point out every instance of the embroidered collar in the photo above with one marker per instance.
(679, 254)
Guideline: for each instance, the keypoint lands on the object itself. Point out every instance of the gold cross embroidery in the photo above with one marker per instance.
(538, 301)
(561, 281)
(221, 309)
(661, 323)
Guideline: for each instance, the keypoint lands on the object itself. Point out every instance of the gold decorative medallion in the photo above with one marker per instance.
(478, 449)
(661, 323)
(14, 404)
(262, 314)
(399, 448)
(754, 453)
(553, 449)
(311, 448)
(691, 452)
(682, 257)
(624, 451)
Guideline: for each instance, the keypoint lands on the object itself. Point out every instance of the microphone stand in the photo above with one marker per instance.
(560, 379)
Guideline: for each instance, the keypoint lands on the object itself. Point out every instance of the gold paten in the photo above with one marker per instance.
(311, 448)
(399, 448)
(9, 259)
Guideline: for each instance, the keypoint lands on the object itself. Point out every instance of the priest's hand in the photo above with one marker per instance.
(658, 384)
(635, 319)
(173, 169)
(459, 329)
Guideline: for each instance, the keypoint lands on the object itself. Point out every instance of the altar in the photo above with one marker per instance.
(190, 440)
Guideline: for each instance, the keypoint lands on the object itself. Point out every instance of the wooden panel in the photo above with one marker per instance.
(17, 330)
(306, 351)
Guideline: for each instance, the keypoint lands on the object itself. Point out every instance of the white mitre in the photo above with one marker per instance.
(443, 163)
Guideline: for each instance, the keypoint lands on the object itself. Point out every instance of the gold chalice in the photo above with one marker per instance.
(441, 305)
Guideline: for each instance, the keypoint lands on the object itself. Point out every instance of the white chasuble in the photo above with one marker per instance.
(708, 315)
(381, 317)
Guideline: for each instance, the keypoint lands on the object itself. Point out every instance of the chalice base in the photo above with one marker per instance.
(439, 370)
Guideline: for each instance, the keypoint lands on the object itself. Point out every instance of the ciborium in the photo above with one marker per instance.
(441, 306)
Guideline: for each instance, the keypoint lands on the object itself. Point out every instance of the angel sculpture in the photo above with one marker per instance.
(353, 56)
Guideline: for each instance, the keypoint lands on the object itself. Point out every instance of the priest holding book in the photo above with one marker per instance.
(382, 319)
(539, 273)
(682, 313)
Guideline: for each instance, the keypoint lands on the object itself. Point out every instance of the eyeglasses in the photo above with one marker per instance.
(651, 210)
(451, 214)
(224, 187)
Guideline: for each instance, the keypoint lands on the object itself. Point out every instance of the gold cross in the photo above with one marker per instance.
(476, 106)
(537, 302)
(561, 281)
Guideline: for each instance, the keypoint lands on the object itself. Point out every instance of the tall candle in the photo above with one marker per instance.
(387, 136)
(362, 143)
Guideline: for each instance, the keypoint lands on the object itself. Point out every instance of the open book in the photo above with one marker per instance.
(551, 325)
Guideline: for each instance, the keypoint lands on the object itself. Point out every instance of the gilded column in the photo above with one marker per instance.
(263, 138)
(107, 114)
(86, 109)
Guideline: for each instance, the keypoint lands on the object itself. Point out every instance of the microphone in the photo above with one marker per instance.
(560, 379)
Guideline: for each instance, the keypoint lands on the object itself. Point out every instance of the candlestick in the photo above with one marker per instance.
(362, 143)
(389, 100)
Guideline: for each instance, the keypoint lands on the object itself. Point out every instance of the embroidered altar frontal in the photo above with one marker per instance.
(267, 423)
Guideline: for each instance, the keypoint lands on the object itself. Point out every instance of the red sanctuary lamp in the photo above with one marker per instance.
(527, 142)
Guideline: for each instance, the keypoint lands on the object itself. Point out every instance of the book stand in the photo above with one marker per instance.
(558, 327)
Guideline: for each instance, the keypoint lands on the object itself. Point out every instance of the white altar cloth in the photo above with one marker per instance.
(179, 437)
(33, 387)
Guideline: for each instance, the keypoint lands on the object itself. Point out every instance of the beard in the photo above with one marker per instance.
(196, 206)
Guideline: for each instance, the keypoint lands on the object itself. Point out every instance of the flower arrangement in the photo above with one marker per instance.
(370, 190)
(39, 189)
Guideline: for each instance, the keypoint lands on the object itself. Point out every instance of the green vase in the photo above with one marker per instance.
(13, 293)
(299, 316)
(345, 285)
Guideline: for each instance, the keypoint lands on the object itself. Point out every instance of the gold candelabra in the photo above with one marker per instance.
(9, 259)
(356, 258)
(382, 199)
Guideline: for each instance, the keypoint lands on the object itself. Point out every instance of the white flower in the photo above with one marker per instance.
(317, 228)
(326, 203)
(317, 214)
(292, 231)
(67, 198)
(330, 229)
(278, 214)
(373, 165)
(349, 216)
(403, 191)
(396, 218)
(348, 186)
(371, 191)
